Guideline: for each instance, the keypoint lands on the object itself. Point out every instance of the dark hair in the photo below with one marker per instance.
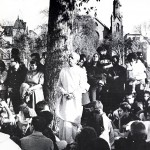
(3, 66)
(40, 106)
(36, 63)
(36, 55)
(39, 123)
(48, 116)
(84, 137)
(98, 144)
(102, 47)
(125, 106)
(92, 62)
(15, 52)
(147, 92)
(136, 128)
(131, 56)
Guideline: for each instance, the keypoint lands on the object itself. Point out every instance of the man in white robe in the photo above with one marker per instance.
(69, 102)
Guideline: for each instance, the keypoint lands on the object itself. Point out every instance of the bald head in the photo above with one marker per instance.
(73, 58)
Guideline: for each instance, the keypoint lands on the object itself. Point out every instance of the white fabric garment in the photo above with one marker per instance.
(6, 143)
(70, 81)
(69, 111)
(107, 129)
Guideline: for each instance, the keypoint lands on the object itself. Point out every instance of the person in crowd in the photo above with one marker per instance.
(116, 81)
(16, 76)
(48, 130)
(101, 123)
(69, 99)
(123, 117)
(85, 136)
(6, 143)
(85, 95)
(136, 139)
(96, 78)
(145, 98)
(98, 144)
(36, 57)
(37, 141)
(3, 76)
(6, 116)
(129, 97)
(24, 118)
(105, 58)
(44, 55)
(145, 116)
(32, 88)
(136, 73)
(42, 106)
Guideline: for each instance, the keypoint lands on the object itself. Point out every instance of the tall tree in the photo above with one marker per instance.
(62, 15)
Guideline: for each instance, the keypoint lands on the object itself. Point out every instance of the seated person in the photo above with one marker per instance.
(48, 130)
(136, 139)
(6, 115)
(42, 106)
(101, 123)
(23, 120)
(145, 98)
(123, 117)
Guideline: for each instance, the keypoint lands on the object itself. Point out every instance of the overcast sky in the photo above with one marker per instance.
(134, 12)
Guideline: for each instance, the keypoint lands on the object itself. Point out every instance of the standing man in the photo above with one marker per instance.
(69, 104)
(16, 76)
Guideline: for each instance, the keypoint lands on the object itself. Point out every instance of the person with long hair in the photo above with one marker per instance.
(96, 77)
(3, 76)
(32, 88)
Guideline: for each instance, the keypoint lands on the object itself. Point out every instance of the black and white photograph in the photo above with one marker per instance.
(74, 75)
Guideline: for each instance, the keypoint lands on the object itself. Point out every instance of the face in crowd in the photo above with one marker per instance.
(95, 57)
(130, 98)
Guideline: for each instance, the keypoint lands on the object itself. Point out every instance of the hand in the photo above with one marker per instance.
(69, 96)
(29, 91)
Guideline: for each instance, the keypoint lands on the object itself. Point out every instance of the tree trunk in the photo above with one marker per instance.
(59, 35)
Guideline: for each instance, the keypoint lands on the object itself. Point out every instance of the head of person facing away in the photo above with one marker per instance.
(85, 136)
(98, 144)
(138, 131)
(38, 124)
(48, 116)
(73, 59)
(42, 106)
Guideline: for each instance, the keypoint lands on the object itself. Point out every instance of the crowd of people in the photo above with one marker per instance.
(100, 104)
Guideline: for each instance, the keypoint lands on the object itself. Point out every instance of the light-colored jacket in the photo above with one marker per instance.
(6, 143)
